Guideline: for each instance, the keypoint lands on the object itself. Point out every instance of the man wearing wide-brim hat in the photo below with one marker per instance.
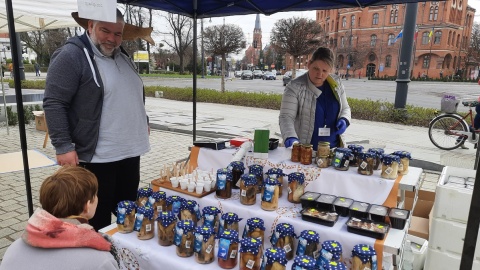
(95, 113)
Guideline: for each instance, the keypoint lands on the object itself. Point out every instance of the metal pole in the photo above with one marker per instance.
(203, 52)
(194, 70)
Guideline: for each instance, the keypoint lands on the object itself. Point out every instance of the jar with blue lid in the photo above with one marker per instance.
(356, 149)
(166, 222)
(304, 262)
(227, 249)
(308, 243)
(334, 266)
(184, 238)
(248, 189)
(211, 217)
(365, 163)
(144, 223)
(331, 251)
(278, 174)
(364, 257)
(251, 253)
(284, 237)
(254, 228)
(274, 259)
(390, 166)
(341, 158)
(224, 183)
(257, 170)
(229, 221)
(295, 186)
(189, 210)
(405, 158)
(270, 194)
(378, 157)
(238, 169)
(174, 203)
(204, 244)
(126, 216)
(158, 201)
(142, 196)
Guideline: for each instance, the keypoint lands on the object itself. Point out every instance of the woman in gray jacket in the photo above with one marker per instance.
(314, 106)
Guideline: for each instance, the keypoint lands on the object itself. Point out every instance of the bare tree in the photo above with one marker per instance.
(181, 29)
(296, 36)
(222, 40)
(45, 42)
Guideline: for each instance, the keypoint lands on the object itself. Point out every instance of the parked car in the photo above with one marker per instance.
(238, 74)
(287, 77)
(269, 76)
(247, 75)
(257, 74)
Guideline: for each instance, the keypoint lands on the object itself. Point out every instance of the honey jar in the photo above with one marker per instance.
(341, 159)
(125, 216)
(365, 163)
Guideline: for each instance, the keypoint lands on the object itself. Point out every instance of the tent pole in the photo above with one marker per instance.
(194, 70)
(18, 96)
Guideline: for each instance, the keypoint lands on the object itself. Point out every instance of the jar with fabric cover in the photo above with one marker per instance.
(364, 257)
(204, 247)
(224, 183)
(158, 201)
(126, 216)
(238, 169)
(378, 157)
(270, 194)
(365, 163)
(331, 251)
(228, 249)
(211, 217)
(295, 186)
(274, 259)
(278, 174)
(184, 238)
(257, 170)
(405, 158)
(284, 237)
(144, 223)
(341, 158)
(304, 262)
(306, 154)
(390, 166)
(308, 243)
(142, 196)
(189, 210)
(254, 228)
(229, 221)
(174, 203)
(296, 152)
(356, 149)
(166, 222)
(334, 266)
(251, 253)
(248, 189)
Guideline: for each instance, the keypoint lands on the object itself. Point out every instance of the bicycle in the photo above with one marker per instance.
(448, 131)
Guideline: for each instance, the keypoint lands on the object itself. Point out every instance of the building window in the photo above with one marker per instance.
(342, 42)
(373, 40)
(371, 57)
(340, 61)
(426, 61)
(458, 41)
(375, 19)
(344, 22)
(453, 39)
(425, 38)
(430, 17)
(391, 38)
(438, 37)
(352, 23)
(449, 37)
(388, 61)
(393, 16)
(435, 14)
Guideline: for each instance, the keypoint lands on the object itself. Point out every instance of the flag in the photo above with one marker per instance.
(400, 35)
(430, 35)
(416, 33)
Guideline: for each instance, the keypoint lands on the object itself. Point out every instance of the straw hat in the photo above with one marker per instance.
(130, 31)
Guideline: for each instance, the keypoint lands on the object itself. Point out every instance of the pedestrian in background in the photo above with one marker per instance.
(37, 69)
(10, 68)
(95, 113)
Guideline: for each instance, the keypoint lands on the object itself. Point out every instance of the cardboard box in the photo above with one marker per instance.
(419, 224)
(40, 123)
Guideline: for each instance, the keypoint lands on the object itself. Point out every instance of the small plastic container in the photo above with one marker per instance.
(142, 196)
(296, 151)
(304, 263)
(365, 227)
(174, 203)
(320, 217)
(270, 194)
(204, 247)
(273, 143)
(378, 157)
(398, 218)
(278, 174)
(144, 223)
(229, 221)
(211, 217)
(274, 259)
(359, 210)
(257, 170)
(251, 253)
(364, 257)
(356, 149)
(238, 169)
(365, 163)
(405, 158)
(334, 266)
(306, 154)
(308, 243)
(342, 206)
(325, 202)
(308, 199)
(184, 238)
(224, 183)
(189, 210)
(284, 237)
(158, 201)
(228, 249)
(378, 213)
(341, 158)
(390, 165)
(166, 222)
(254, 228)
(126, 216)
(248, 189)
(295, 187)
(331, 252)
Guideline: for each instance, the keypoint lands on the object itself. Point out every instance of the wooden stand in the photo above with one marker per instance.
(160, 183)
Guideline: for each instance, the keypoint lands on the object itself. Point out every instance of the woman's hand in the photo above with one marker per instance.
(289, 141)
(341, 126)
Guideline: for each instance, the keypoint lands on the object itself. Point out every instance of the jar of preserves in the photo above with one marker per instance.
(324, 162)
(390, 166)
(283, 238)
(158, 201)
(405, 158)
(296, 151)
(274, 259)
(238, 169)
(189, 211)
(365, 163)
(254, 228)
(306, 154)
(144, 223)
(125, 216)
(174, 203)
(304, 262)
(378, 157)
(356, 149)
(334, 266)
(142, 196)
(224, 183)
(248, 189)
(211, 217)
(204, 244)
(250, 254)
(323, 149)
(166, 222)
(278, 174)
(270, 195)
(227, 249)
(295, 186)
(308, 243)
(184, 238)
(364, 257)
(331, 251)
(229, 221)
(341, 159)
(257, 170)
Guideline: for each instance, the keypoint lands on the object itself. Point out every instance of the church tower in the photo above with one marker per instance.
(257, 34)
(253, 51)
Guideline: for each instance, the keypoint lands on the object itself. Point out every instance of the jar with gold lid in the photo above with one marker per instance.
(323, 149)
(296, 151)
(306, 154)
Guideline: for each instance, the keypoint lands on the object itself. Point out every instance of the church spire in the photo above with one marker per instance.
(257, 23)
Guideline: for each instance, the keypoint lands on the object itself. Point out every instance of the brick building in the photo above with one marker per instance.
(252, 53)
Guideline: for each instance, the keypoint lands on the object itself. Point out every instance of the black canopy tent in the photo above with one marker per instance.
(197, 9)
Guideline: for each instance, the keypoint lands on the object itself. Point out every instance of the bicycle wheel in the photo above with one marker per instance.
(444, 131)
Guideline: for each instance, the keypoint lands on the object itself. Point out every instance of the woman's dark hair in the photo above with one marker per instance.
(323, 54)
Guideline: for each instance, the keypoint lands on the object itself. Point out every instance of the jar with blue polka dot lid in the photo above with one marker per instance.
(308, 243)
(126, 216)
(270, 194)
(174, 203)
(158, 201)
(341, 158)
(356, 149)
(184, 238)
(248, 189)
(142, 196)
(274, 259)
(365, 163)
(228, 249)
(190, 210)
(378, 157)
(229, 221)
(364, 257)
(254, 228)
(166, 222)
(405, 158)
(304, 262)
(251, 253)
(333, 265)
(223, 183)
(284, 237)
(257, 170)
(331, 251)
(144, 223)
(295, 186)
(238, 169)
(204, 244)
(211, 217)
(278, 174)
(390, 166)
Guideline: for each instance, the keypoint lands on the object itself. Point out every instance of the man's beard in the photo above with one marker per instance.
(104, 51)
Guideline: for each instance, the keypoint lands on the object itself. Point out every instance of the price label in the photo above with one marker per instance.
(389, 170)
(233, 255)
(243, 193)
(148, 227)
(187, 244)
(287, 248)
(250, 264)
(209, 249)
(363, 165)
